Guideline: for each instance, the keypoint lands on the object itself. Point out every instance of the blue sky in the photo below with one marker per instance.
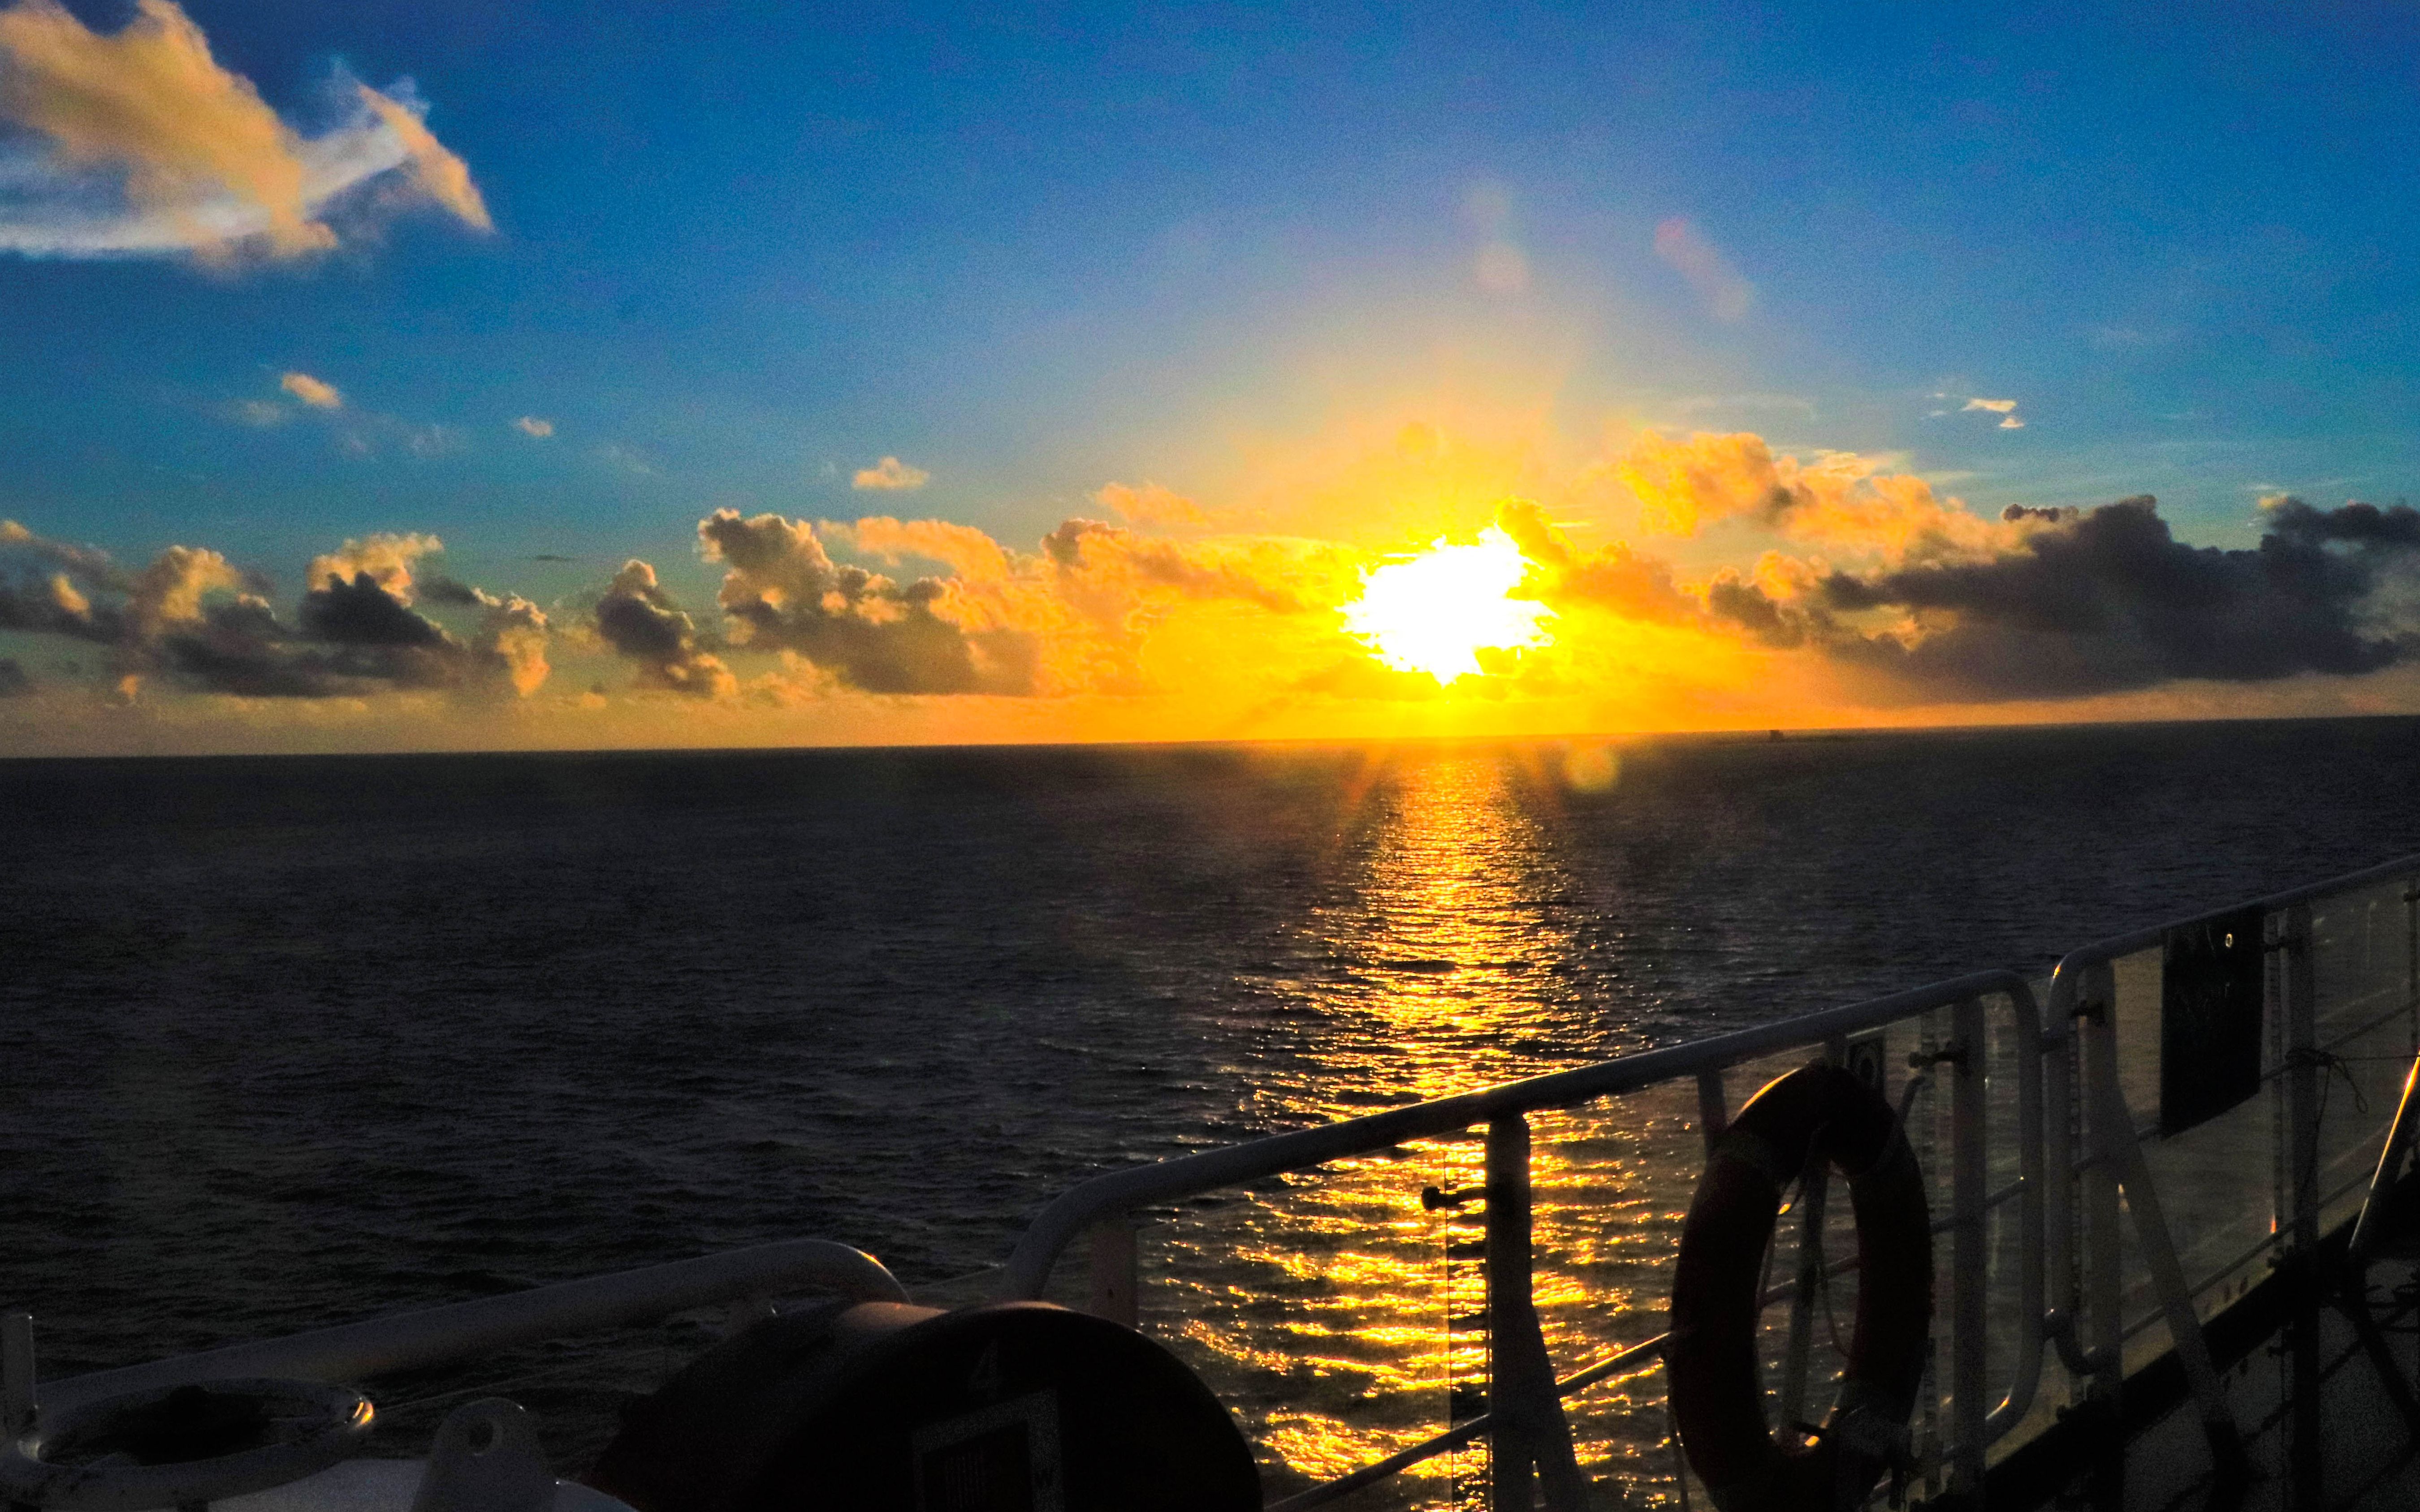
(742, 251)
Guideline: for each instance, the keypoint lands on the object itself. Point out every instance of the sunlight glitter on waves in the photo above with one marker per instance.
(1435, 612)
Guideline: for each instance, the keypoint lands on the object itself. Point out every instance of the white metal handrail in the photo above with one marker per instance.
(468, 1330)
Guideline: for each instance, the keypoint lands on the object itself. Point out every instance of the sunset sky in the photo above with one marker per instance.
(446, 375)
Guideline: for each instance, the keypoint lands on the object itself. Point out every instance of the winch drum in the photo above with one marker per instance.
(1014, 1407)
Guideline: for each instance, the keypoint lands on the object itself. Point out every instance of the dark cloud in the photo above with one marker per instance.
(786, 594)
(2397, 526)
(85, 561)
(353, 640)
(39, 606)
(438, 589)
(14, 682)
(361, 613)
(192, 617)
(642, 624)
(2104, 599)
(1766, 622)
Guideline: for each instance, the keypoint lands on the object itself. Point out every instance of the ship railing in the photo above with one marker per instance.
(747, 1280)
(1524, 1418)
(2033, 1125)
(2331, 1005)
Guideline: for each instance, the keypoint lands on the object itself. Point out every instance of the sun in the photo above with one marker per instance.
(1435, 612)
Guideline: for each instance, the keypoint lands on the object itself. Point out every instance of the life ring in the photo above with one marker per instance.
(1717, 1400)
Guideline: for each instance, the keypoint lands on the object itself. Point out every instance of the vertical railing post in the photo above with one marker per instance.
(2303, 1072)
(1714, 1109)
(2104, 1294)
(2058, 1166)
(1529, 1430)
(1970, 1257)
(2411, 960)
(16, 1373)
(1115, 1271)
(2369, 1226)
(2104, 1324)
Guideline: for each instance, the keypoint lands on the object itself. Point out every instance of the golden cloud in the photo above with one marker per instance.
(434, 170)
(967, 551)
(158, 148)
(1838, 499)
(1149, 504)
(386, 559)
(317, 393)
(890, 475)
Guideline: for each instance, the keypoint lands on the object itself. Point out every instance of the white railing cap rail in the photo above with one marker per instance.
(1068, 1214)
(463, 1330)
(2063, 977)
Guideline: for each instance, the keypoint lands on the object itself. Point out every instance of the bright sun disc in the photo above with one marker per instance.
(1433, 613)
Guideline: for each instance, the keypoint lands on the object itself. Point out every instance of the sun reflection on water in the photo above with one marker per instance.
(1340, 1315)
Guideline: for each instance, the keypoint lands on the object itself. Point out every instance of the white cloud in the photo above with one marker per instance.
(890, 475)
(315, 393)
(532, 425)
(629, 459)
(155, 150)
(2004, 409)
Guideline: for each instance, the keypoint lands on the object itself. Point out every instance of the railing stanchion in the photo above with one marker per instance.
(2104, 1293)
(1969, 1263)
(2024, 1018)
(2105, 1257)
(2303, 1072)
(1531, 1430)
(2370, 1225)
(1714, 1110)
(2064, 1296)
(2411, 959)
(1115, 1270)
(2119, 1150)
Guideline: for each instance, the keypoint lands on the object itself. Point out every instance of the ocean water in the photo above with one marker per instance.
(285, 1041)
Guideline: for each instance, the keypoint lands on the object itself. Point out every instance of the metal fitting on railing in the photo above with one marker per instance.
(2059, 1327)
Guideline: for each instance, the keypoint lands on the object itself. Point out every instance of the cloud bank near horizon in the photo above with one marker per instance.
(1848, 585)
